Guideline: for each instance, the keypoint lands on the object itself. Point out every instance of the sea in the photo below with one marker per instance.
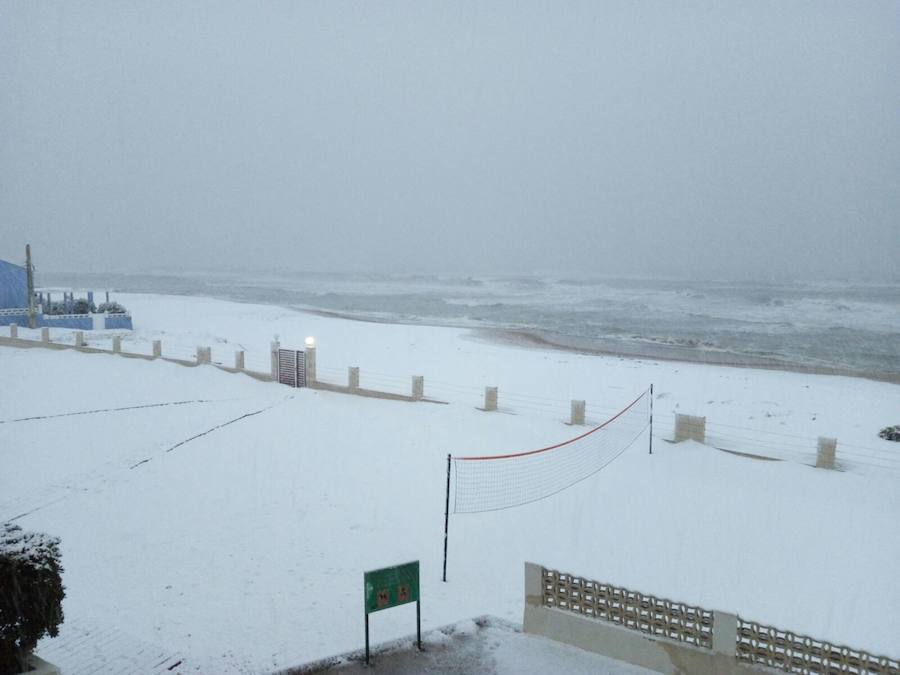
(849, 328)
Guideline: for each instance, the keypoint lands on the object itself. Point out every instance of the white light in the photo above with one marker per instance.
(310, 341)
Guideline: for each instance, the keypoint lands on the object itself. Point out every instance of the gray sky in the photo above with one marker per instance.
(746, 139)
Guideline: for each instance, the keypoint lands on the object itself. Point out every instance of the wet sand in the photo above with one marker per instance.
(633, 350)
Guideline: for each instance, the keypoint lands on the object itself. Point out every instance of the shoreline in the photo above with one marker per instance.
(534, 339)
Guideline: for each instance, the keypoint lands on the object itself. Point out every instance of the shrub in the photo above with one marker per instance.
(82, 306)
(111, 307)
(31, 593)
(890, 433)
(55, 308)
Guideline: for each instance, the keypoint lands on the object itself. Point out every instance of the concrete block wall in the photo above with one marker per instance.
(655, 653)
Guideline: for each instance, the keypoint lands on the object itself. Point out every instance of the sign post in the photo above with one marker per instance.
(392, 587)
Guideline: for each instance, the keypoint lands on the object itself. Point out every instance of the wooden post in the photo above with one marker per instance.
(577, 414)
(310, 365)
(826, 453)
(490, 398)
(29, 274)
(274, 347)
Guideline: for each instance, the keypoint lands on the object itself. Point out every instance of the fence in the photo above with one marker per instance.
(19, 316)
(669, 636)
(179, 354)
(757, 442)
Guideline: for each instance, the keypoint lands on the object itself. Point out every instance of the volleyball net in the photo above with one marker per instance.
(494, 482)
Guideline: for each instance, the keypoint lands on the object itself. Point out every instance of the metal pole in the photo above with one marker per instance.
(29, 275)
(367, 638)
(446, 517)
(651, 419)
(419, 624)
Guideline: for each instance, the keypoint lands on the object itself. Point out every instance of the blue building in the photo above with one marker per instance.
(69, 312)
(13, 286)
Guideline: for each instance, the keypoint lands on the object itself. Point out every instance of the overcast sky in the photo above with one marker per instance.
(746, 139)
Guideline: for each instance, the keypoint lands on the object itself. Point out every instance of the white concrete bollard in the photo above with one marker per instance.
(45, 335)
(690, 427)
(239, 360)
(13, 330)
(157, 349)
(204, 355)
(117, 345)
(353, 379)
(310, 365)
(274, 347)
(577, 414)
(490, 398)
(826, 453)
(79, 338)
(418, 387)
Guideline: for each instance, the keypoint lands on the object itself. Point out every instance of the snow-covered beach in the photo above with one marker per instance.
(243, 549)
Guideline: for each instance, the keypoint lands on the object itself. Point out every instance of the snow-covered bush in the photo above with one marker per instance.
(82, 306)
(31, 593)
(891, 433)
(111, 307)
(55, 308)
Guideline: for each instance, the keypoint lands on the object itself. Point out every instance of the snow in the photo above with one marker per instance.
(243, 549)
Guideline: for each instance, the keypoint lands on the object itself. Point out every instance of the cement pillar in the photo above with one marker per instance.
(117, 345)
(45, 334)
(13, 330)
(490, 398)
(310, 366)
(534, 587)
(79, 338)
(353, 379)
(577, 414)
(827, 452)
(274, 347)
(418, 387)
(157, 349)
(724, 633)
(690, 427)
(204, 355)
(239, 360)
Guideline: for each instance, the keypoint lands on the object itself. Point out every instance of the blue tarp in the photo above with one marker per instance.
(13, 286)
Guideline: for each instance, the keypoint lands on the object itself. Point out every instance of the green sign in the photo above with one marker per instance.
(391, 586)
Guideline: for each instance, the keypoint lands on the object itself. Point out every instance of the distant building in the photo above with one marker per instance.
(70, 309)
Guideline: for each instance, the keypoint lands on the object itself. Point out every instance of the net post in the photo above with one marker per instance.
(446, 517)
(651, 418)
